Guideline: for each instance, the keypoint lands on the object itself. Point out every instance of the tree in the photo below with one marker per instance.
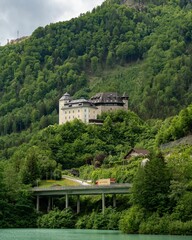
(110, 60)
(94, 63)
(125, 50)
(151, 184)
(30, 171)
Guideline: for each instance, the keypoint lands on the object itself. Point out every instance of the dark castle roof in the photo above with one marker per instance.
(103, 98)
(78, 103)
(108, 97)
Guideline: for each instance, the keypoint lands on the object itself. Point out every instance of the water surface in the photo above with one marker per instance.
(74, 234)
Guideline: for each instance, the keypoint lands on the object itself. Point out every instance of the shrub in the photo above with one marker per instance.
(180, 228)
(57, 219)
(131, 220)
(155, 225)
(108, 221)
(81, 222)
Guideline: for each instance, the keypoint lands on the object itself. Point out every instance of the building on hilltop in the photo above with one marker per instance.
(109, 101)
(88, 110)
(76, 109)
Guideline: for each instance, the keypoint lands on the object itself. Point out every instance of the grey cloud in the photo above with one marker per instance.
(26, 15)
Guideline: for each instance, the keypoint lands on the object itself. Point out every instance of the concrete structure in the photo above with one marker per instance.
(86, 110)
(80, 190)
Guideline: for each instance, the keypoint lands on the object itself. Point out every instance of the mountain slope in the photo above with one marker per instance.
(152, 48)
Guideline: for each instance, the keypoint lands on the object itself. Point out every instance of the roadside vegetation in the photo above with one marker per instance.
(161, 191)
(114, 48)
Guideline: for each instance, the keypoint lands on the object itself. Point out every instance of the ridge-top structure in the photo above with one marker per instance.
(86, 110)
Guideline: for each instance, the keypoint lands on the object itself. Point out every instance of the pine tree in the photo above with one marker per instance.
(151, 184)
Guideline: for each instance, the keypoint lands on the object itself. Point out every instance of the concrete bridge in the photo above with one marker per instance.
(81, 190)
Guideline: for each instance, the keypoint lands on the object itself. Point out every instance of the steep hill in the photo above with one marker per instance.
(144, 52)
(182, 141)
(176, 128)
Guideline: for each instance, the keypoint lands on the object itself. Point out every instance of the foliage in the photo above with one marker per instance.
(180, 228)
(74, 144)
(16, 205)
(122, 171)
(97, 220)
(131, 220)
(176, 127)
(30, 169)
(66, 56)
(165, 225)
(57, 219)
(155, 224)
(137, 220)
(145, 51)
(151, 185)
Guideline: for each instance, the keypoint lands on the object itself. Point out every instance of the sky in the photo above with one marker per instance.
(20, 18)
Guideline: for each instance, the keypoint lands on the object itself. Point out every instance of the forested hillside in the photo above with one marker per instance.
(152, 46)
(143, 48)
(176, 127)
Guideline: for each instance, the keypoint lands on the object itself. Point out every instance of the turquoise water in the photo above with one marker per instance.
(73, 234)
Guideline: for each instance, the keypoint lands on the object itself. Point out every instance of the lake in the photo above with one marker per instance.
(74, 234)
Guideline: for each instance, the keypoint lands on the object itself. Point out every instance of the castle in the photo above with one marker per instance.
(87, 110)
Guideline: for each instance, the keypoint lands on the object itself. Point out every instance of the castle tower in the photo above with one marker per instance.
(62, 101)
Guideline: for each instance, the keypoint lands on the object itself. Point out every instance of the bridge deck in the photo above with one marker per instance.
(83, 190)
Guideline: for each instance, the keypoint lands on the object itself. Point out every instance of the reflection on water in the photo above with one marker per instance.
(74, 234)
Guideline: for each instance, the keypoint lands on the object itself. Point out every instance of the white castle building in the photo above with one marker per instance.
(87, 110)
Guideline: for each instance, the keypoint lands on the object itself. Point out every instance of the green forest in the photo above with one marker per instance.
(143, 48)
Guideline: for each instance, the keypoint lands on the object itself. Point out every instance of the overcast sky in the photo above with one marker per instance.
(22, 17)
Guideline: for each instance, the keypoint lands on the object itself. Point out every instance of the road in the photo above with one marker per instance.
(81, 182)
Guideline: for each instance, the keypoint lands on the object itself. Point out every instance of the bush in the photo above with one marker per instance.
(81, 222)
(57, 219)
(180, 228)
(183, 210)
(131, 220)
(165, 225)
(107, 221)
(155, 225)
(57, 174)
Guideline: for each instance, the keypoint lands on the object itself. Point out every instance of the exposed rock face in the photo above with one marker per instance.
(182, 141)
